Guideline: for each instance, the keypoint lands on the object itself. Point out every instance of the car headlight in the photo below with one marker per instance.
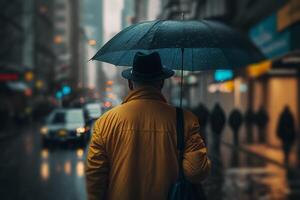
(44, 130)
(80, 130)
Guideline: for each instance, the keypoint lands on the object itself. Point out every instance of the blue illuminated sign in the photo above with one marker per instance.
(271, 42)
(223, 75)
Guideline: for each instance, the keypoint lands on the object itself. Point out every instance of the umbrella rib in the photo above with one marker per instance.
(155, 33)
(152, 26)
(158, 21)
(124, 52)
(133, 36)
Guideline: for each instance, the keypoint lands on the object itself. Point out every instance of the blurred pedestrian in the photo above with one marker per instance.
(286, 132)
(202, 113)
(217, 124)
(261, 120)
(133, 152)
(235, 122)
(249, 121)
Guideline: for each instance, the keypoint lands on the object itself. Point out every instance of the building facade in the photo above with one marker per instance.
(43, 56)
(62, 41)
(12, 31)
(92, 25)
(245, 92)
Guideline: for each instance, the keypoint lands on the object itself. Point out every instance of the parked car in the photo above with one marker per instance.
(65, 125)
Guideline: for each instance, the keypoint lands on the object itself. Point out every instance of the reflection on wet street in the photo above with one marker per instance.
(31, 172)
(242, 176)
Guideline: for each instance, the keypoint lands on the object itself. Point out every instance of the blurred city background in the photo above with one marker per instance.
(50, 94)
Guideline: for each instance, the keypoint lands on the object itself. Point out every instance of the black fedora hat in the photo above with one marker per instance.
(147, 67)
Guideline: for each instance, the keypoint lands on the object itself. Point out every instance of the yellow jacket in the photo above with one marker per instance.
(133, 155)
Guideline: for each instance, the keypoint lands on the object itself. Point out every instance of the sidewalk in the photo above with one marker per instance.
(267, 153)
(273, 154)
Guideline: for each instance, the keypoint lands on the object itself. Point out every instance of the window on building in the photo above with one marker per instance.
(60, 31)
(60, 6)
(60, 18)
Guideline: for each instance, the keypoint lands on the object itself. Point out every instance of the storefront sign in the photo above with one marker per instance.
(9, 77)
(223, 75)
(271, 42)
(259, 69)
(288, 15)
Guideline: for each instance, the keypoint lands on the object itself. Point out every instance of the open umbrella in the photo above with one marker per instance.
(185, 45)
(204, 45)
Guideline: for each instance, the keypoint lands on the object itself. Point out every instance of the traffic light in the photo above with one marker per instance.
(62, 91)
(66, 90)
(59, 94)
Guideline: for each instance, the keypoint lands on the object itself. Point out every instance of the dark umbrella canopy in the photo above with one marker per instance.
(206, 45)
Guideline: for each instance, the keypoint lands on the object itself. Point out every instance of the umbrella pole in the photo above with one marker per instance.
(181, 78)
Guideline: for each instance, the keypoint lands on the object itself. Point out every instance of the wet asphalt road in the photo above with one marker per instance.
(31, 172)
(28, 171)
(237, 175)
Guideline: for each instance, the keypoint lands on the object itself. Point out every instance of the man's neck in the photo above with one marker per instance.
(145, 87)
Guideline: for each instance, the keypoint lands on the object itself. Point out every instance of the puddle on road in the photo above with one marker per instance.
(79, 153)
(68, 168)
(44, 171)
(61, 163)
(80, 169)
(262, 183)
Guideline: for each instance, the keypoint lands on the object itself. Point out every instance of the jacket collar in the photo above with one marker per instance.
(145, 93)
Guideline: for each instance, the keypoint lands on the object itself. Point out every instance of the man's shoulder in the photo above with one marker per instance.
(108, 115)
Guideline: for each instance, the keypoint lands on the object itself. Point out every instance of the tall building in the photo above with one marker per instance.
(37, 49)
(127, 13)
(12, 31)
(62, 41)
(43, 57)
(75, 42)
(194, 9)
(26, 41)
(141, 10)
(246, 13)
(92, 24)
(71, 46)
(11, 58)
(146, 10)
